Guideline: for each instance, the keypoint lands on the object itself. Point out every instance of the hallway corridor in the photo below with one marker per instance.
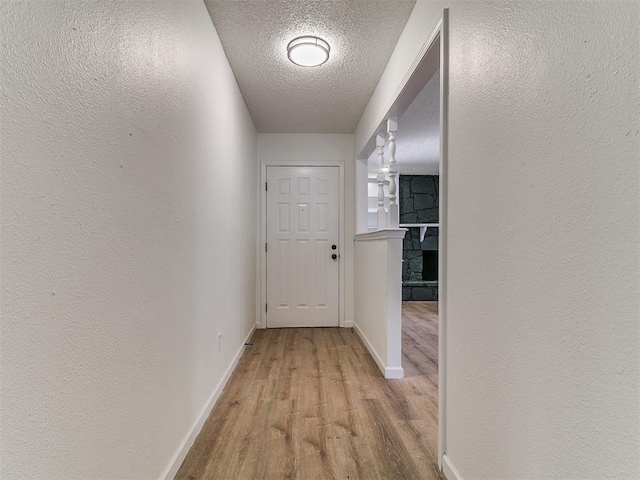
(312, 404)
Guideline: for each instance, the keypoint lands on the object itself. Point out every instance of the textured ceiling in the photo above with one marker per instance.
(418, 151)
(283, 97)
(418, 137)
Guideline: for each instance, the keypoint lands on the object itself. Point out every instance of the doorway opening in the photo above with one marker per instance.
(418, 157)
(415, 128)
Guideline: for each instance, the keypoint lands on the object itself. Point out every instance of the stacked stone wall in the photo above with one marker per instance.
(418, 204)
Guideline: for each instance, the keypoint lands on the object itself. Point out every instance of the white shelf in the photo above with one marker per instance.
(422, 226)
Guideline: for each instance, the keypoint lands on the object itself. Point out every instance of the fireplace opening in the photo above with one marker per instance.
(429, 265)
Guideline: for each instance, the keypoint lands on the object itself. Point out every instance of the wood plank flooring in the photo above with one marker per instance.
(310, 403)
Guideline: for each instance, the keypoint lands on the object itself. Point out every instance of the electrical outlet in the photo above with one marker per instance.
(220, 342)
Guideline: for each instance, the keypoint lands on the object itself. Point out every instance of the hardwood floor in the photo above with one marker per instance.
(310, 403)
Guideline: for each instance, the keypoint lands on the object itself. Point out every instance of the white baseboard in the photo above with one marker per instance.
(449, 470)
(348, 324)
(388, 372)
(394, 372)
(259, 326)
(178, 457)
(372, 350)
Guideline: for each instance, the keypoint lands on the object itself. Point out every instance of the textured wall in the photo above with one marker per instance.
(371, 309)
(292, 147)
(543, 241)
(128, 233)
(378, 298)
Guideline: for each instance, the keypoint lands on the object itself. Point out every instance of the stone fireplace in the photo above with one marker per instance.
(419, 204)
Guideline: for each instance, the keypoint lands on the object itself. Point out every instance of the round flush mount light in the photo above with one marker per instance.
(308, 51)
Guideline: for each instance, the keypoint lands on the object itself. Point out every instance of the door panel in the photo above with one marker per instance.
(302, 227)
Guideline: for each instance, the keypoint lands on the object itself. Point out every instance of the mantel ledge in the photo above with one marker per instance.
(382, 234)
(422, 226)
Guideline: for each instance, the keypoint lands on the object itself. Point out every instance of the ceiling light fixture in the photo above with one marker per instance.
(308, 51)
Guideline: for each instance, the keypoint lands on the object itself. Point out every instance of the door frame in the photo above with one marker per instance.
(262, 323)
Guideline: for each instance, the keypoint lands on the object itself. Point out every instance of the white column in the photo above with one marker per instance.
(394, 211)
(382, 214)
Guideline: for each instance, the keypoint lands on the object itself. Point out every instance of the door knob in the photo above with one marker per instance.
(333, 247)
(334, 256)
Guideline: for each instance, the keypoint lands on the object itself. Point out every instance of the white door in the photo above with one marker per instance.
(302, 246)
